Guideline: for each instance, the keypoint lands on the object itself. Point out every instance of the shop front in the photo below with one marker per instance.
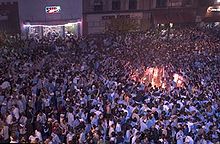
(112, 22)
(62, 29)
(50, 18)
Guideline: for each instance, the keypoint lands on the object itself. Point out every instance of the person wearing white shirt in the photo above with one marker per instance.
(23, 119)
(55, 138)
(111, 122)
(181, 104)
(42, 118)
(22, 130)
(127, 136)
(189, 140)
(143, 124)
(32, 139)
(70, 118)
(82, 137)
(118, 127)
(202, 141)
(5, 133)
(13, 139)
(15, 111)
(69, 137)
(179, 137)
(134, 138)
(46, 101)
(166, 108)
(38, 135)
(112, 140)
(9, 119)
(21, 106)
(111, 130)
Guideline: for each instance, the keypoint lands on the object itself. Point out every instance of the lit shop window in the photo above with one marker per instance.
(214, 9)
(52, 9)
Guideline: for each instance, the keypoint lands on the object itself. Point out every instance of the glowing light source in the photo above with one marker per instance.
(67, 24)
(178, 80)
(175, 77)
(171, 25)
(214, 9)
(163, 85)
(155, 72)
(52, 9)
(26, 25)
(152, 75)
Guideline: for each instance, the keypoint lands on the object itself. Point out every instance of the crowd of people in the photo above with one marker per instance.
(81, 90)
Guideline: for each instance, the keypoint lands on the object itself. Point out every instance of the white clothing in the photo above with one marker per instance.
(21, 106)
(55, 139)
(32, 139)
(23, 120)
(16, 113)
(111, 129)
(143, 125)
(13, 141)
(179, 137)
(118, 127)
(38, 135)
(70, 118)
(127, 136)
(189, 140)
(42, 118)
(133, 140)
(69, 137)
(46, 102)
(9, 119)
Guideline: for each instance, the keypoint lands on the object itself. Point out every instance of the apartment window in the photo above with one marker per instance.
(161, 3)
(206, 3)
(98, 5)
(188, 2)
(116, 4)
(132, 4)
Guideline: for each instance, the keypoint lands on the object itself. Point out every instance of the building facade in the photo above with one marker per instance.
(115, 15)
(46, 17)
(42, 17)
(51, 17)
(9, 17)
(108, 15)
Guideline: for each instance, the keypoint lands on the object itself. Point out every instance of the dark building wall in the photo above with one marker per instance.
(9, 17)
(34, 10)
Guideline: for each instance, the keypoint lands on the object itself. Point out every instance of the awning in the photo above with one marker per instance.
(54, 22)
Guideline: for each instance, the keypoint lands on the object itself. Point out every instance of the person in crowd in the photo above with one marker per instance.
(98, 89)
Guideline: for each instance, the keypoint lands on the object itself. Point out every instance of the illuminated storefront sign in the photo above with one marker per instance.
(214, 9)
(108, 17)
(52, 9)
(64, 29)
